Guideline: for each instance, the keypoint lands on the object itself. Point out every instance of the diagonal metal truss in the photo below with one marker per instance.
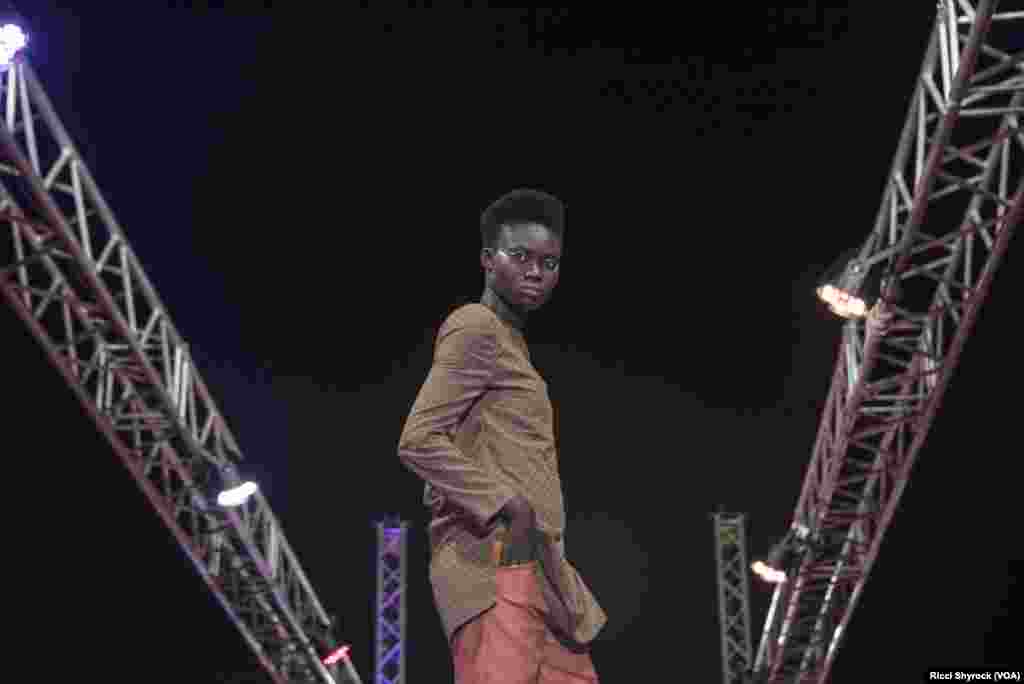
(392, 543)
(951, 203)
(733, 599)
(67, 270)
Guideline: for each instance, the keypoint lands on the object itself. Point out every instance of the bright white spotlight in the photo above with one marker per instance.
(842, 303)
(12, 39)
(236, 496)
(767, 573)
(338, 654)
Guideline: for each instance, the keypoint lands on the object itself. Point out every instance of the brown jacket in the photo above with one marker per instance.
(480, 431)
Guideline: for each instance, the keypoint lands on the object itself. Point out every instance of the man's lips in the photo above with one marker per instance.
(531, 292)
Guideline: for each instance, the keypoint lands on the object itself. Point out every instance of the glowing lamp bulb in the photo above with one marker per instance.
(336, 655)
(236, 496)
(767, 573)
(842, 303)
(12, 39)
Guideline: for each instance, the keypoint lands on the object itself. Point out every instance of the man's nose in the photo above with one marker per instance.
(532, 269)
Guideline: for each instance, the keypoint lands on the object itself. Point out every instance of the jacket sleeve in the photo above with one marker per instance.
(464, 364)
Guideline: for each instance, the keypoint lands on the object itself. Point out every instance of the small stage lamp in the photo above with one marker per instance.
(850, 286)
(12, 38)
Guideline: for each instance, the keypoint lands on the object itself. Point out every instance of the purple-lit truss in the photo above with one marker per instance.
(70, 274)
(950, 205)
(392, 542)
(733, 601)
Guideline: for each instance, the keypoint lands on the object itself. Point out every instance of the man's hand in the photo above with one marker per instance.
(518, 544)
(521, 518)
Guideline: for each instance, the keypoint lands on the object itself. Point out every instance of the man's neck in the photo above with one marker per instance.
(514, 318)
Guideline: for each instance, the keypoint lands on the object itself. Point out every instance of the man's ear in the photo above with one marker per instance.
(487, 258)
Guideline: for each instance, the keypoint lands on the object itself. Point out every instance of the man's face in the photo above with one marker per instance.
(524, 268)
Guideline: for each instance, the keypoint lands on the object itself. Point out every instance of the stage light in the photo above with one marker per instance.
(842, 303)
(12, 39)
(326, 638)
(223, 484)
(336, 655)
(784, 556)
(391, 524)
(774, 568)
(850, 286)
(769, 574)
(232, 490)
(236, 496)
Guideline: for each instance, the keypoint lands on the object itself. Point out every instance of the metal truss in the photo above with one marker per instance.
(733, 601)
(68, 271)
(951, 202)
(392, 542)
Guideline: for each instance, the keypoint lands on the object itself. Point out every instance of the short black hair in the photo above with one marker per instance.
(522, 206)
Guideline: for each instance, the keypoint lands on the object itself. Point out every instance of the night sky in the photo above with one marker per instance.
(304, 190)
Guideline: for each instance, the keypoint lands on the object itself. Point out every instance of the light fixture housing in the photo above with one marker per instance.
(232, 489)
(329, 644)
(774, 567)
(221, 486)
(783, 556)
(851, 285)
(13, 38)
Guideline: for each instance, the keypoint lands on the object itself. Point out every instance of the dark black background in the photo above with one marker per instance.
(303, 189)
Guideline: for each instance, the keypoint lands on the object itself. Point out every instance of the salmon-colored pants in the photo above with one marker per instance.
(512, 644)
